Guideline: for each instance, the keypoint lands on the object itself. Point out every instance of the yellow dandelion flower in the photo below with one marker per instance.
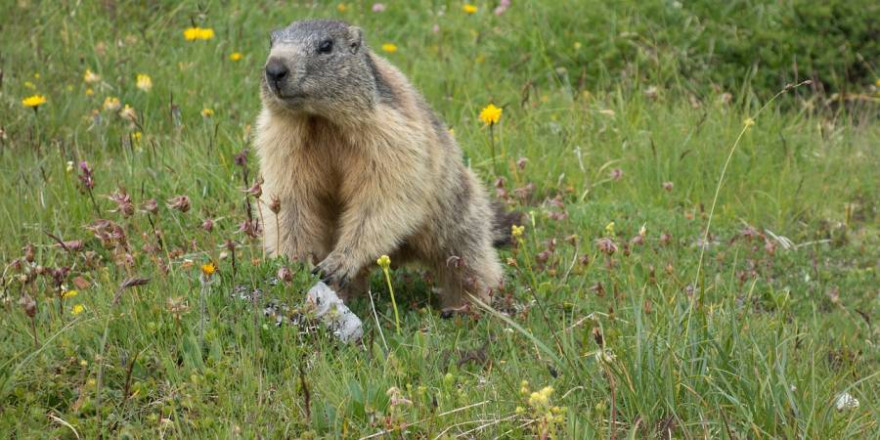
(389, 47)
(90, 92)
(144, 82)
(69, 294)
(77, 309)
(490, 115)
(29, 85)
(33, 101)
(342, 7)
(207, 112)
(235, 56)
(191, 34)
(208, 269)
(469, 8)
(136, 136)
(197, 33)
(91, 77)
(384, 261)
(112, 104)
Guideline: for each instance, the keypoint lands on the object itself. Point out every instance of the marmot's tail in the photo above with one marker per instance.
(501, 224)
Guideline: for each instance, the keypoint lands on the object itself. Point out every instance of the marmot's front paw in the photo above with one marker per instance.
(334, 271)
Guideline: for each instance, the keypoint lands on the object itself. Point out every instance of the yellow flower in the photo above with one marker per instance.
(235, 56)
(144, 82)
(877, 83)
(37, 75)
(389, 47)
(469, 8)
(112, 104)
(136, 136)
(29, 85)
(197, 33)
(577, 45)
(490, 115)
(208, 269)
(748, 122)
(517, 231)
(34, 101)
(77, 309)
(609, 228)
(69, 294)
(90, 92)
(342, 7)
(384, 262)
(207, 112)
(69, 166)
(90, 77)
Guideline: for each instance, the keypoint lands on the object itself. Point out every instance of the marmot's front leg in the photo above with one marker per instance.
(384, 208)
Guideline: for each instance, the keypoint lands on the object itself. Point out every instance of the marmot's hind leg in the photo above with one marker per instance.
(475, 272)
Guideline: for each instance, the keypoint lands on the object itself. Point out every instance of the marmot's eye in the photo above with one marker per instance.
(326, 46)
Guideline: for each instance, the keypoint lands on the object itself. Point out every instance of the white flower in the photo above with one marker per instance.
(846, 401)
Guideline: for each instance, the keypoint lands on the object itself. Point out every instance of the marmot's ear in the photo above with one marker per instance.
(355, 38)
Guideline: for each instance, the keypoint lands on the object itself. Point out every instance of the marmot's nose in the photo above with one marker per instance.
(276, 70)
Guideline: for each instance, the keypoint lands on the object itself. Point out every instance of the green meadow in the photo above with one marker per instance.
(699, 256)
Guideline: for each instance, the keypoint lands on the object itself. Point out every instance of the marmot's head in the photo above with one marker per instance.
(319, 67)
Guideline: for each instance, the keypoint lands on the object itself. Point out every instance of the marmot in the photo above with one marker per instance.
(363, 167)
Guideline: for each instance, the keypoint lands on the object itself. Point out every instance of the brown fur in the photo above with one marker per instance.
(384, 178)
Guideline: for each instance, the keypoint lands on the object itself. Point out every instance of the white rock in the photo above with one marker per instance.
(335, 314)
(846, 401)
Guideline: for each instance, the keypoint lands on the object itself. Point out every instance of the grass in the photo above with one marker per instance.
(633, 338)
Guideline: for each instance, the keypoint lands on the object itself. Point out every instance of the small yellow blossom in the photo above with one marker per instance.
(90, 92)
(877, 83)
(144, 82)
(112, 104)
(389, 47)
(34, 101)
(577, 45)
(77, 309)
(136, 136)
(342, 7)
(208, 269)
(207, 112)
(490, 115)
(609, 228)
(384, 262)
(197, 33)
(83, 363)
(540, 398)
(469, 8)
(69, 166)
(69, 294)
(748, 122)
(235, 56)
(517, 231)
(91, 77)
(37, 76)
(30, 85)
